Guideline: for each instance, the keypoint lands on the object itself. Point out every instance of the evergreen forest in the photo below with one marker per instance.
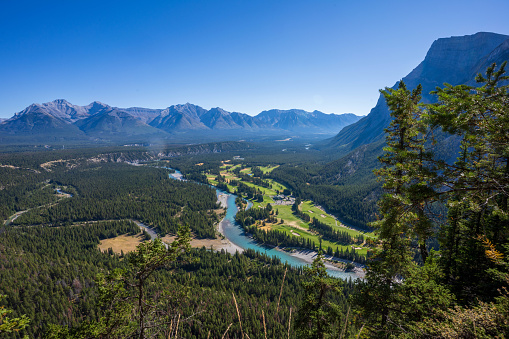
(436, 233)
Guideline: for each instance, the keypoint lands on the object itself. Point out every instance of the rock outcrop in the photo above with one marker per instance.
(454, 60)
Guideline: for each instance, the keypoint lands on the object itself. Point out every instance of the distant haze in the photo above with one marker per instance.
(60, 121)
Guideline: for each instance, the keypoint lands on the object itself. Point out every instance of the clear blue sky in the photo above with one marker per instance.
(244, 56)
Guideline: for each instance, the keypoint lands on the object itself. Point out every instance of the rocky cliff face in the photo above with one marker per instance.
(217, 118)
(110, 122)
(143, 114)
(455, 60)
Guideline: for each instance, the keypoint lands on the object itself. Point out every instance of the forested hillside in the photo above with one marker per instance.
(73, 200)
(437, 268)
(121, 191)
(54, 282)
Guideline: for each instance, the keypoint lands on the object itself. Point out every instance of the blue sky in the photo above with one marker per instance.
(244, 56)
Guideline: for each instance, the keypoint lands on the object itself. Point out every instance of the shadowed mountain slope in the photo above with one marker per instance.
(454, 60)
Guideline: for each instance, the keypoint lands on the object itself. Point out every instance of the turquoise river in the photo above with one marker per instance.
(236, 235)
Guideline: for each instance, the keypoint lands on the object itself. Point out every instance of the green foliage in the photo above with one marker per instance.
(120, 191)
(485, 320)
(399, 298)
(392, 260)
(318, 316)
(48, 273)
(477, 181)
(421, 295)
(9, 325)
(346, 187)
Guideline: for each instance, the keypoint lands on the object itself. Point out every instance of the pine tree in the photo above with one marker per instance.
(318, 313)
(397, 293)
(392, 258)
(478, 182)
(130, 311)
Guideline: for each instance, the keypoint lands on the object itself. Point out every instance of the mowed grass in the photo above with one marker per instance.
(234, 167)
(292, 225)
(310, 209)
(263, 204)
(285, 213)
(312, 237)
(211, 180)
(268, 169)
(228, 175)
(276, 186)
(264, 190)
(289, 219)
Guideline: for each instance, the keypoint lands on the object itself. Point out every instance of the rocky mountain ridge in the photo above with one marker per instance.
(99, 120)
(455, 60)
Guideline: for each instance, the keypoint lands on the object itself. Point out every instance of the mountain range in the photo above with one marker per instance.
(61, 120)
(453, 60)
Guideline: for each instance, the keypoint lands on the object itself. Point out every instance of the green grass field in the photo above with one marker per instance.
(310, 209)
(275, 185)
(285, 213)
(325, 243)
(268, 169)
(228, 175)
(265, 191)
(292, 224)
(233, 167)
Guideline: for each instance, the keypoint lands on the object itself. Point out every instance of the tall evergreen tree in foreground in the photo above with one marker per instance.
(398, 295)
(318, 315)
(476, 186)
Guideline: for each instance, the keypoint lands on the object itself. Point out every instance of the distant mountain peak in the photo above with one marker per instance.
(62, 102)
(218, 109)
(97, 104)
(455, 60)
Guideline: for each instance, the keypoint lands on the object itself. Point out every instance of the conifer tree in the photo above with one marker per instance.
(392, 259)
(477, 184)
(474, 237)
(409, 181)
(129, 310)
(318, 313)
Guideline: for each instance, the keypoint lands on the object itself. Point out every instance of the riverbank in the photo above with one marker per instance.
(308, 256)
(300, 257)
(226, 244)
(223, 200)
(234, 239)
